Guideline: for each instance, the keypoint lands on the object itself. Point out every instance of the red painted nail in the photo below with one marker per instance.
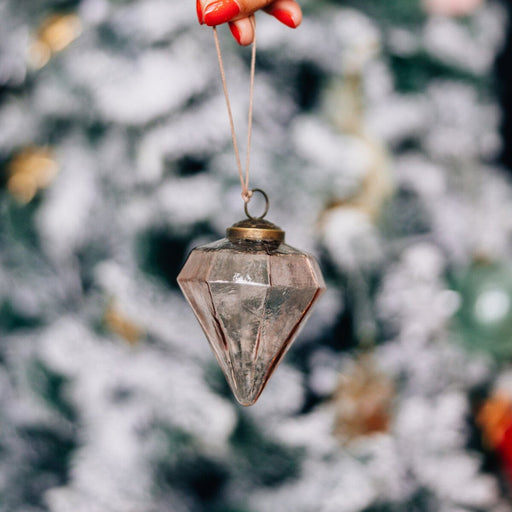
(220, 12)
(236, 33)
(199, 10)
(284, 17)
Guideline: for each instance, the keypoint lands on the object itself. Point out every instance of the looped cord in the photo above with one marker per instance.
(244, 179)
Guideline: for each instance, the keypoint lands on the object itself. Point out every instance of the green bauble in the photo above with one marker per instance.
(484, 318)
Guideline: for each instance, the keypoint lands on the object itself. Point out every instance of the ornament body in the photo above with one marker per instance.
(485, 315)
(363, 400)
(251, 297)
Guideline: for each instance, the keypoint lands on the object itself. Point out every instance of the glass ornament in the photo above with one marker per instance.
(251, 293)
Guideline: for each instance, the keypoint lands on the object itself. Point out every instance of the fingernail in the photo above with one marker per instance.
(220, 12)
(199, 10)
(284, 17)
(236, 32)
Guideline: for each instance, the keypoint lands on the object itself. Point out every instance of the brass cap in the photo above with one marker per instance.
(257, 230)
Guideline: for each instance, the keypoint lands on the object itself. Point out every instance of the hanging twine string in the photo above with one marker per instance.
(244, 178)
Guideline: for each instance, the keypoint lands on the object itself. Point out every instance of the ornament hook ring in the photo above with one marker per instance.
(267, 205)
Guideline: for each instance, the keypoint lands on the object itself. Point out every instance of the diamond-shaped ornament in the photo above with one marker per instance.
(251, 293)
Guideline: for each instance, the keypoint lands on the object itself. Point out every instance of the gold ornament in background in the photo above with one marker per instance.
(375, 189)
(343, 103)
(30, 170)
(55, 33)
(494, 418)
(116, 322)
(343, 106)
(362, 401)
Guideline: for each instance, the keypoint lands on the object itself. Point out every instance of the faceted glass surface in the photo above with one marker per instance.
(251, 301)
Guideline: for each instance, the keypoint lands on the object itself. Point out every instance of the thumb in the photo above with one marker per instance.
(216, 12)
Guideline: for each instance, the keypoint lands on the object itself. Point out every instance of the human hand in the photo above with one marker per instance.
(238, 14)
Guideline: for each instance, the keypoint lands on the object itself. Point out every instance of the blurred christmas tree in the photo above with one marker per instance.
(376, 136)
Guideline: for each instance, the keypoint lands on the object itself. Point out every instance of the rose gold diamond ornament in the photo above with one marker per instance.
(251, 293)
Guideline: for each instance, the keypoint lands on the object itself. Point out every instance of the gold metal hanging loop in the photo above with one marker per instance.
(267, 205)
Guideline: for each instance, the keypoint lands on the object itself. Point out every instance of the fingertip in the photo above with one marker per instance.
(297, 16)
(243, 31)
(199, 11)
(218, 12)
(235, 32)
(288, 12)
(284, 17)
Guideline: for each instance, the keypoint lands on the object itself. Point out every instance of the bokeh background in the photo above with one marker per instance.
(382, 134)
